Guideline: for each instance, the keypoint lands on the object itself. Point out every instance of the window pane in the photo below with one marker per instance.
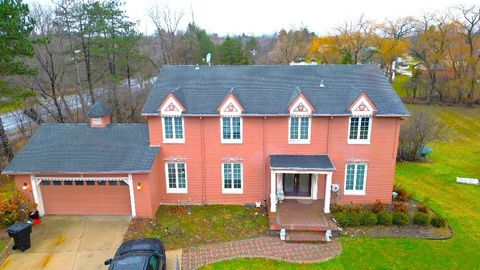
(102, 183)
(304, 121)
(178, 128)
(90, 183)
(227, 175)
(45, 182)
(360, 177)
(364, 124)
(349, 177)
(353, 128)
(168, 127)
(293, 128)
(182, 183)
(57, 183)
(78, 183)
(236, 127)
(68, 183)
(172, 179)
(226, 128)
(112, 183)
(237, 175)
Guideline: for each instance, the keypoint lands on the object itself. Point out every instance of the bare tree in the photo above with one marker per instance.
(166, 21)
(355, 36)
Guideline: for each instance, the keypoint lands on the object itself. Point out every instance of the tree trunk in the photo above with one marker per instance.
(32, 114)
(5, 142)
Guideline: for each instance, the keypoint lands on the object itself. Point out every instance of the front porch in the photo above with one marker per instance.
(301, 215)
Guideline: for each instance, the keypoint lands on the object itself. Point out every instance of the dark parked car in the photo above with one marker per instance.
(142, 254)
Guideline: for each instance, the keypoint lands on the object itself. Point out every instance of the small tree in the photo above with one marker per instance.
(418, 131)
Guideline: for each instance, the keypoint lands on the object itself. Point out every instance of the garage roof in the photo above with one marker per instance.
(301, 162)
(78, 148)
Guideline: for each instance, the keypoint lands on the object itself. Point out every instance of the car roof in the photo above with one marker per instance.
(140, 245)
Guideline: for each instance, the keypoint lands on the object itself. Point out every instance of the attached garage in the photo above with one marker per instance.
(86, 169)
(80, 196)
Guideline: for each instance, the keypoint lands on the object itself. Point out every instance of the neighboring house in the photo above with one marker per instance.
(224, 135)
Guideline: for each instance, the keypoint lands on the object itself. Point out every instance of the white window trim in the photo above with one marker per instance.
(231, 141)
(232, 190)
(360, 141)
(97, 121)
(176, 190)
(355, 192)
(173, 140)
(300, 141)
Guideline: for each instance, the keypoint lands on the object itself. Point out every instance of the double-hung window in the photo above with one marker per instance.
(232, 175)
(176, 174)
(299, 130)
(231, 129)
(173, 129)
(359, 130)
(355, 178)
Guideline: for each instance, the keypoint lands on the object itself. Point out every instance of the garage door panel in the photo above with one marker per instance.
(86, 199)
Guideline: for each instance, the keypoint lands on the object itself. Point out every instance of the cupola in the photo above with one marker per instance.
(99, 115)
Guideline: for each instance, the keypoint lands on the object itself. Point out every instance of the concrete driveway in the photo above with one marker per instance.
(70, 243)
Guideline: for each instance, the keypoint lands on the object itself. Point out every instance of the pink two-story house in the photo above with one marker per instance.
(265, 135)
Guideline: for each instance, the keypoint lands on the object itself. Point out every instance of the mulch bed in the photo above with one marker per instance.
(408, 231)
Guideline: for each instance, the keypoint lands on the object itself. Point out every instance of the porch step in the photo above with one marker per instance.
(303, 237)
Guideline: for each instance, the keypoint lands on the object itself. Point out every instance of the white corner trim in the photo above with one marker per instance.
(37, 195)
(132, 195)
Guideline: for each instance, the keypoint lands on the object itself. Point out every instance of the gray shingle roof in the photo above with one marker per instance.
(301, 162)
(269, 89)
(78, 148)
(98, 110)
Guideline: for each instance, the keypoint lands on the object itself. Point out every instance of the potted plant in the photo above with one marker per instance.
(280, 195)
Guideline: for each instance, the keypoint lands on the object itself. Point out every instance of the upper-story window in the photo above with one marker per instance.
(176, 175)
(355, 178)
(231, 129)
(173, 129)
(299, 129)
(232, 176)
(359, 130)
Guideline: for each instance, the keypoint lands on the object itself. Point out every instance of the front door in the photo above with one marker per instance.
(297, 184)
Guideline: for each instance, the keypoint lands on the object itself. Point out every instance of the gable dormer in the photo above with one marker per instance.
(171, 106)
(230, 105)
(363, 106)
(301, 106)
(99, 115)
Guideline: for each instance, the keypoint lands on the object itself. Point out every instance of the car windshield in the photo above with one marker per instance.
(129, 263)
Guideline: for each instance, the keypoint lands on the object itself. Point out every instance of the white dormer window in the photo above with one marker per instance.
(360, 124)
(172, 120)
(173, 131)
(300, 122)
(231, 122)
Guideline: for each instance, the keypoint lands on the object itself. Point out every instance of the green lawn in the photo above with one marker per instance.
(434, 181)
(184, 226)
(399, 85)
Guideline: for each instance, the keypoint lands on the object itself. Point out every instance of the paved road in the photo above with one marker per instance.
(11, 119)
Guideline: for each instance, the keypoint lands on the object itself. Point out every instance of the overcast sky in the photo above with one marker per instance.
(268, 16)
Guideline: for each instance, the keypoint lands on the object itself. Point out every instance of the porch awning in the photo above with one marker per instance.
(301, 162)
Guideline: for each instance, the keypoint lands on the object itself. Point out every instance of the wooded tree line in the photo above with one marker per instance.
(61, 58)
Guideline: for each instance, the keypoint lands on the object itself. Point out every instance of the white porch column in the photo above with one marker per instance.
(132, 195)
(273, 191)
(37, 195)
(328, 187)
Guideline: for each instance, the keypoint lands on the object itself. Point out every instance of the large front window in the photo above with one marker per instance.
(231, 129)
(355, 179)
(173, 129)
(299, 130)
(232, 178)
(176, 174)
(360, 128)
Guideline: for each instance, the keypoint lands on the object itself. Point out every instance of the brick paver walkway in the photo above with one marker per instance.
(264, 247)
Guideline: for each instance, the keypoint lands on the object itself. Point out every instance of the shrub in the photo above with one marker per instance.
(400, 207)
(355, 208)
(15, 207)
(423, 208)
(400, 218)
(438, 222)
(377, 206)
(384, 218)
(336, 208)
(368, 218)
(402, 194)
(348, 219)
(421, 218)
